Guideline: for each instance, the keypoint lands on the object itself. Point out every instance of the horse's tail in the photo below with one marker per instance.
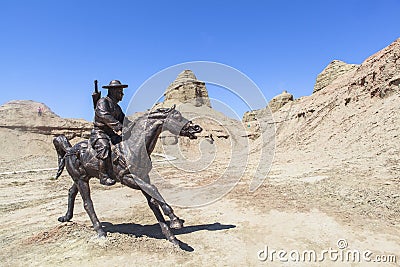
(62, 145)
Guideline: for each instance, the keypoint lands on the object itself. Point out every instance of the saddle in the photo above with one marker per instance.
(87, 155)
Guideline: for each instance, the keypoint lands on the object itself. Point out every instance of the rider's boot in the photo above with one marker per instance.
(105, 178)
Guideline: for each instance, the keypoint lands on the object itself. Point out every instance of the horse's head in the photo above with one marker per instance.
(177, 124)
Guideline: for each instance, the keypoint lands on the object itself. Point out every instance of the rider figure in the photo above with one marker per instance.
(108, 121)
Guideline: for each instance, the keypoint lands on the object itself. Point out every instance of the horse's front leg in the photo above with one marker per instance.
(84, 190)
(175, 222)
(73, 191)
(164, 226)
(147, 189)
(151, 190)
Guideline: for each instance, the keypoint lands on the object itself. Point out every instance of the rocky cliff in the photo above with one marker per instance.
(334, 70)
(22, 115)
(187, 89)
(279, 101)
(274, 105)
(220, 134)
(353, 122)
(25, 134)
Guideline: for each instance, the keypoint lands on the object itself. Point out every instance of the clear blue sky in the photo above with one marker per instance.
(52, 50)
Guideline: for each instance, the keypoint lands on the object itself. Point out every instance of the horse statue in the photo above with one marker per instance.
(131, 165)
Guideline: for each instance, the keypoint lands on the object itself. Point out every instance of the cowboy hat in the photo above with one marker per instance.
(115, 84)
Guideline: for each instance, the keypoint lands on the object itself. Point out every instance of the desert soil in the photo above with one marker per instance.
(298, 208)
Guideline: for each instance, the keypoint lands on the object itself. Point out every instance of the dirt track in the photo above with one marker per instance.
(284, 214)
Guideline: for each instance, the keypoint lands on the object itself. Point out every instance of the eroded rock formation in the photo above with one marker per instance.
(22, 115)
(187, 89)
(334, 70)
(279, 101)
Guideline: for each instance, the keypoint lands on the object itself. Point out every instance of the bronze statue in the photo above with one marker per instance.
(130, 161)
(108, 121)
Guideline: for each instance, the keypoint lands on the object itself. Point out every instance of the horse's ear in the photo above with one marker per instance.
(168, 110)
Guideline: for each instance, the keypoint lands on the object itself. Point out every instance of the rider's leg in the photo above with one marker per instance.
(104, 169)
(102, 147)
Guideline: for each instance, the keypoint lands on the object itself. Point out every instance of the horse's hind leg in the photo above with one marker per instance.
(73, 191)
(84, 190)
(153, 204)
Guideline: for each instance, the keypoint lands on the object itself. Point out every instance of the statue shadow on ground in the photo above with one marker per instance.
(154, 230)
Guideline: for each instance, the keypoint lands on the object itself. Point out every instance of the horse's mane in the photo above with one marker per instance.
(159, 113)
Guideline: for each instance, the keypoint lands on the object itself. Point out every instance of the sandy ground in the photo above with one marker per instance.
(297, 210)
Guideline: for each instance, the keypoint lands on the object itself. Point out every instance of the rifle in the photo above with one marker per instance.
(96, 94)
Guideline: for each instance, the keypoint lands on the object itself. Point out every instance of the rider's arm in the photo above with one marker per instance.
(104, 116)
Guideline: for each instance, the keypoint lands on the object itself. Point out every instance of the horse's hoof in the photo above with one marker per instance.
(176, 224)
(63, 219)
(107, 181)
(101, 233)
(171, 238)
(174, 241)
